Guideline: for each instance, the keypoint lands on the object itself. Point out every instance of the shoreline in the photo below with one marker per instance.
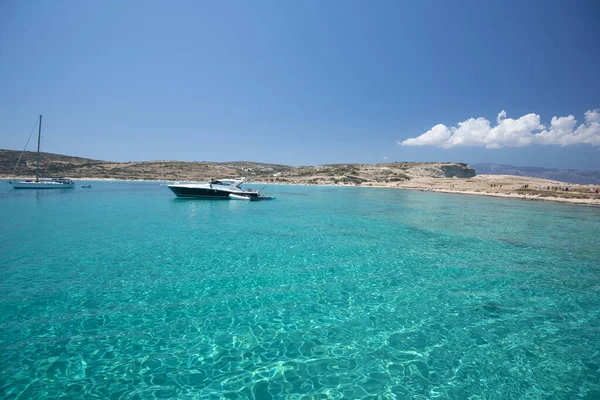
(563, 200)
(476, 186)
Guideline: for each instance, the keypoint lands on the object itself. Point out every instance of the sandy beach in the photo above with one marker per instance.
(506, 186)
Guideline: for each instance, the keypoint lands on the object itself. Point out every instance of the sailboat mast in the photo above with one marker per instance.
(37, 164)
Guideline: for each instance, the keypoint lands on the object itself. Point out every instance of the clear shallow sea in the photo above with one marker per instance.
(123, 291)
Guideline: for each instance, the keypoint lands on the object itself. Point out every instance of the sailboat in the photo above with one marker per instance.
(48, 183)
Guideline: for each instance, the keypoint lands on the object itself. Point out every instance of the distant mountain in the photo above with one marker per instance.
(562, 175)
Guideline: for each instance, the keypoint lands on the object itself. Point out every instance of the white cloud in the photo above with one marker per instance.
(563, 132)
(433, 137)
(385, 157)
(510, 132)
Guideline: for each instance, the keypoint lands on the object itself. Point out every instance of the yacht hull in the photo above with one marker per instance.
(42, 185)
(205, 193)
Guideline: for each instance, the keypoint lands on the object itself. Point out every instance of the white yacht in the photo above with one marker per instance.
(44, 183)
(225, 189)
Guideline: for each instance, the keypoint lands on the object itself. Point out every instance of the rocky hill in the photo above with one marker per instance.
(374, 173)
(562, 175)
(76, 167)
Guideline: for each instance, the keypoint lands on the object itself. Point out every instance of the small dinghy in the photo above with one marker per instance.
(86, 186)
(238, 197)
(250, 198)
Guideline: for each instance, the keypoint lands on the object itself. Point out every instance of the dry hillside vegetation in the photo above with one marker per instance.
(430, 176)
(76, 167)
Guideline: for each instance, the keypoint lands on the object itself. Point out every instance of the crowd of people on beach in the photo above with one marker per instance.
(557, 188)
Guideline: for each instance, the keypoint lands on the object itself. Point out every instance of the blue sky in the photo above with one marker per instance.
(301, 83)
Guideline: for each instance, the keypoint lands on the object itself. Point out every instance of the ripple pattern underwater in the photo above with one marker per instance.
(123, 291)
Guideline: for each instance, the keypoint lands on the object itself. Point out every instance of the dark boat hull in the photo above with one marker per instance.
(202, 193)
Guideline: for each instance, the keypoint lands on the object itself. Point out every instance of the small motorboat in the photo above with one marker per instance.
(86, 186)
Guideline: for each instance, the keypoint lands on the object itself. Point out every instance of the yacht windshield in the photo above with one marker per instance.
(223, 183)
(227, 182)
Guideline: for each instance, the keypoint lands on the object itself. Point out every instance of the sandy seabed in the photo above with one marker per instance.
(506, 186)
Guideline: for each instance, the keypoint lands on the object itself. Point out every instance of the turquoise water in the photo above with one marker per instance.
(123, 291)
